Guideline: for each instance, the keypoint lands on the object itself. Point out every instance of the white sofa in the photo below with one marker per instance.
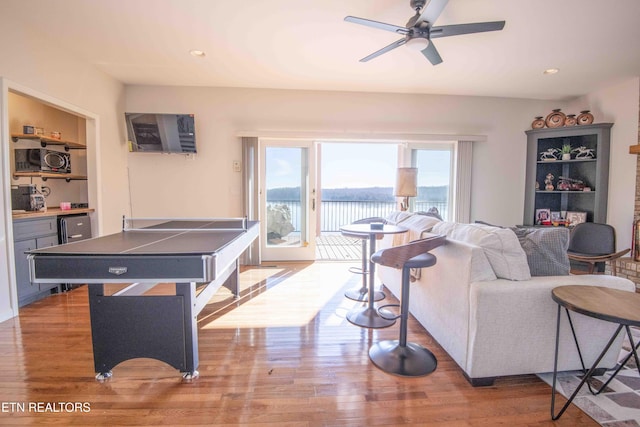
(492, 326)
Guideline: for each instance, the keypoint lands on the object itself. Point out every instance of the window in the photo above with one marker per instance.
(436, 178)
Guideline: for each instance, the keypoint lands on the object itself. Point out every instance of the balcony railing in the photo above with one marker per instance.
(337, 213)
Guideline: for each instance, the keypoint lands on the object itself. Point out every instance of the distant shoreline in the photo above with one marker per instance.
(378, 194)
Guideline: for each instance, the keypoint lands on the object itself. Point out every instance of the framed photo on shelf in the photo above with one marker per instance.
(574, 218)
(543, 216)
(556, 216)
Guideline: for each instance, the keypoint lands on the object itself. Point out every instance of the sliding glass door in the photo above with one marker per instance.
(287, 200)
(435, 165)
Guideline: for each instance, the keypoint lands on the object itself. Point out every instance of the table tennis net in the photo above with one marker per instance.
(183, 224)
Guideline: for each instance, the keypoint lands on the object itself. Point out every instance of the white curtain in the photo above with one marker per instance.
(250, 191)
(464, 158)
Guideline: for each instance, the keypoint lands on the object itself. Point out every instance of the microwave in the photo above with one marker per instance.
(42, 160)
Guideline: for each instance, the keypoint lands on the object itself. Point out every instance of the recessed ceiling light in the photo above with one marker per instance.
(550, 71)
(197, 53)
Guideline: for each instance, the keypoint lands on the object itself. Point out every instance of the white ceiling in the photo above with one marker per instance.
(305, 44)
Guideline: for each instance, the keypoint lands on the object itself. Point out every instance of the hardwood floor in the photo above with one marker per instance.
(282, 355)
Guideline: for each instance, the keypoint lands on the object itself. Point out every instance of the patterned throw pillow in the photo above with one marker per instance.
(546, 250)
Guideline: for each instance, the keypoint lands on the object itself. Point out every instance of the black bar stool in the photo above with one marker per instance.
(399, 357)
(362, 293)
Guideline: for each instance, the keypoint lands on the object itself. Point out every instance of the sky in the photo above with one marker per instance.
(358, 165)
(350, 165)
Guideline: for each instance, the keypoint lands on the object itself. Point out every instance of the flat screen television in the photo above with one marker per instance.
(161, 133)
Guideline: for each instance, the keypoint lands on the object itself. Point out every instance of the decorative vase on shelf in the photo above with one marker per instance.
(570, 120)
(549, 182)
(585, 118)
(538, 123)
(555, 119)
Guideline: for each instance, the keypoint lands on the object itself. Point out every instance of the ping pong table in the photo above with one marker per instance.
(128, 324)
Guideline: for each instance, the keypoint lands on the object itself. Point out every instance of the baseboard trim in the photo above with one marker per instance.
(7, 314)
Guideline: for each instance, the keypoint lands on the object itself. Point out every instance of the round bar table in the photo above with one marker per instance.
(611, 305)
(368, 316)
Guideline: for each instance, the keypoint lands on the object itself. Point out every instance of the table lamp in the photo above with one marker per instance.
(406, 185)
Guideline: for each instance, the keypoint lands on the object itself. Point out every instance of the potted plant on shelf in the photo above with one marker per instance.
(566, 151)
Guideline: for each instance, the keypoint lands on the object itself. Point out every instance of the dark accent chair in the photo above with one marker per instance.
(591, 245)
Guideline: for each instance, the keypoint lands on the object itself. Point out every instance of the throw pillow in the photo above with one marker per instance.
(397, 216)
(546, 250)
(431, 212)
(500, 245)
(417, 225)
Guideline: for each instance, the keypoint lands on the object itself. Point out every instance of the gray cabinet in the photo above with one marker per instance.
(29, 234)
(593, 171)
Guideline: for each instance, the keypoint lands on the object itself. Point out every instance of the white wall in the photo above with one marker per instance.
(618, 104)
(32, 63)
(37, 65)
(168, 185)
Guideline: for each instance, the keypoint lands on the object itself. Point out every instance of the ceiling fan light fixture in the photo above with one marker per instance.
(197, 53)
(418, 43)
(419, 30)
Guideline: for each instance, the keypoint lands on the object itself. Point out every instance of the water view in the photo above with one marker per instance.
(345, 205)
(356, 182)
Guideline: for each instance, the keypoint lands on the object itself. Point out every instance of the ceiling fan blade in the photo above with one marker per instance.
(432, 10)
(431, 53)
(456, 30)
(376, 24)
(385, 49)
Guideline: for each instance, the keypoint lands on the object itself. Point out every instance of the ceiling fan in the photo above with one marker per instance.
(419, 29)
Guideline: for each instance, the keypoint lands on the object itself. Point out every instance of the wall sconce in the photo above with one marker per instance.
(406, 185)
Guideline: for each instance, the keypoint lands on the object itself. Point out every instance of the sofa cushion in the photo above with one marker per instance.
(501, 246)
(546, 250)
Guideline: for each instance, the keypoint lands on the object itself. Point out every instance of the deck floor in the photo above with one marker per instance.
(330, 246)
(336, 247)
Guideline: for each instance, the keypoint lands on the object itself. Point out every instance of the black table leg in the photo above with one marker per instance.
(188, 292)
(588, 374)
(632, 352)
(161, 327)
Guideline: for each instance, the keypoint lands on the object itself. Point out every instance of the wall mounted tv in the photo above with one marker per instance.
(161, 133)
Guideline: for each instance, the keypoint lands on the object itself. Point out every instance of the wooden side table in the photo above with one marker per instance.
(611, 305)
